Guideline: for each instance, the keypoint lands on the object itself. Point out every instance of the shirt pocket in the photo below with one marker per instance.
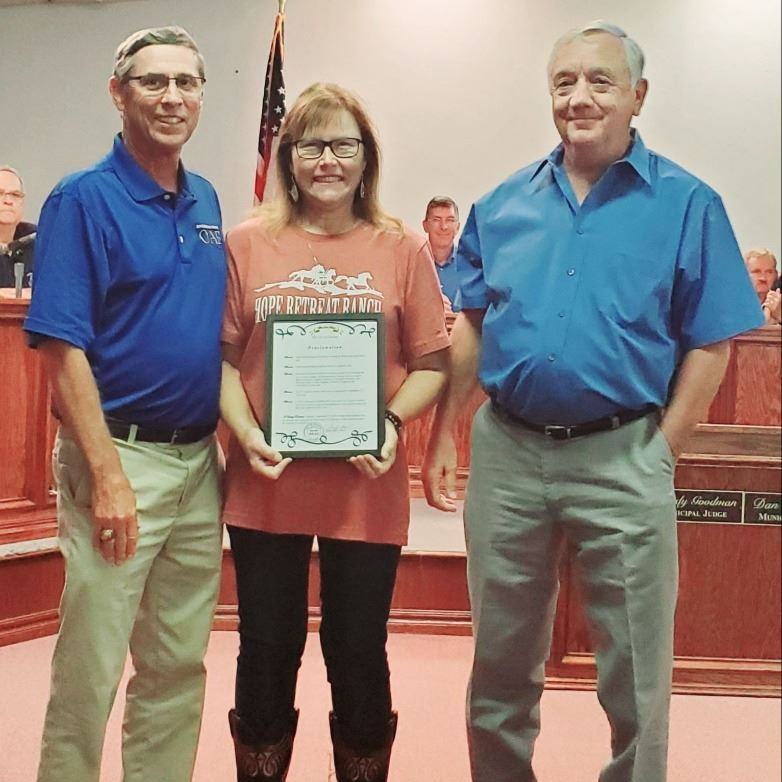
(634, 289)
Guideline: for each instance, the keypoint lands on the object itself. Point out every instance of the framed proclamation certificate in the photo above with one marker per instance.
(324, 384)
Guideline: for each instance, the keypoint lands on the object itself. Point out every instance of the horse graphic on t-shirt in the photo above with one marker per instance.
(317, 275)
(359, 282)
(323, 280)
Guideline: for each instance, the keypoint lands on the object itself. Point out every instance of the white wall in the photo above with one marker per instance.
(456, 87)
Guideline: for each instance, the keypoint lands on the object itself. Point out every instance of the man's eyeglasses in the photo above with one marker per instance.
(157, 83)
(11, 195)
(565, 89)
(312, 148)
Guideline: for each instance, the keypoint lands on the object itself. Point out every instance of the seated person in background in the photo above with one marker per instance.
(772, 305)
(762, 269)
(441, 224)
(16, 238)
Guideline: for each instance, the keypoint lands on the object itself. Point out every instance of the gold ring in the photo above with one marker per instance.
(106, 534)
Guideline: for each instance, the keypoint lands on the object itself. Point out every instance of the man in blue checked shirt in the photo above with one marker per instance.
(600, 287)
(441, 224)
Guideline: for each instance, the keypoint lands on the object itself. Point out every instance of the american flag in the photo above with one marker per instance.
(273, 106)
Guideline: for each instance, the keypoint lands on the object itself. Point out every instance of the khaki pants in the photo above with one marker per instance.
(609, 497)
(159, 604)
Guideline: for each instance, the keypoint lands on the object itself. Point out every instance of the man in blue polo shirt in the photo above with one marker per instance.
(600, 287)
(441, 225)
(126, 312)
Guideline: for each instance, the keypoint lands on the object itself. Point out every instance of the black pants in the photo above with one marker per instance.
(357, 582)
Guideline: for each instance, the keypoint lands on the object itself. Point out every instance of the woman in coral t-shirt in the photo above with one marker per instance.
(323, 245)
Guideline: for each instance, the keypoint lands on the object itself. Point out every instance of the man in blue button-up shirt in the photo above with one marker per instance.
(126, 312)
(600, 287)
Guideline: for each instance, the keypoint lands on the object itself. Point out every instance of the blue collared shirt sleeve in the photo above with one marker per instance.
(713, 297)
(71, 273)
(473, 292)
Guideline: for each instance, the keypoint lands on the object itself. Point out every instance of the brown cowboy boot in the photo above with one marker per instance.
(257, 761)
(355, 765)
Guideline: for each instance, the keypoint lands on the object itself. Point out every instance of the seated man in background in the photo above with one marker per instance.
(16, 237)
(441, 225)
(762, 269)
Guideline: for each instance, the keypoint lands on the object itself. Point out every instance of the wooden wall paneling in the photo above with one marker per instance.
(15, 403)
(226, 617)
(729, 613)
(720, 473)
(758, 390)
(573, 668)
(30, 588)
(27, 432)
(730, 605)
(714, 444)
(723, 406)
(431, 594)
(750, 391)
(727, 627)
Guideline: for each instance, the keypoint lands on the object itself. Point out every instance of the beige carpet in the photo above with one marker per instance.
(713, 739)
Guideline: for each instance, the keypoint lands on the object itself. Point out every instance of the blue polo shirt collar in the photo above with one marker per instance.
(637, 156)
(139, 184)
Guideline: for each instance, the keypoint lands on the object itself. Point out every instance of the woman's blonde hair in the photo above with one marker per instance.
(313, 109)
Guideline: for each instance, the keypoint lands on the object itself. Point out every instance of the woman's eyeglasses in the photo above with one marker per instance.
(313, 148)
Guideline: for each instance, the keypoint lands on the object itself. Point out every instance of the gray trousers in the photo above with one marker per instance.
(609, 496)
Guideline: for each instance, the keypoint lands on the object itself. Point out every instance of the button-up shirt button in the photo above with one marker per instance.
(560, 314)
(580, 230)
(167, 197)
(571, 272)
(181, 239)
(551, 357)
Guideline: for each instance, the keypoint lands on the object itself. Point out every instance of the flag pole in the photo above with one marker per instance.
(273, 107)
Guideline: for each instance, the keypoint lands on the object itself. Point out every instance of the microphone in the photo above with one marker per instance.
(19, 244)
(18, 277)
(15, 252)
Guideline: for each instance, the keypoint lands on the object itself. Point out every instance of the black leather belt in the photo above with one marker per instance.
(568, 432)
(153, 434)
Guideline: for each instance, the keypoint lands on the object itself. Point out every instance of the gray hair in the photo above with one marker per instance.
(633, 53)
(153, 36)
(749, 255)
(441, 201)
(16, 174)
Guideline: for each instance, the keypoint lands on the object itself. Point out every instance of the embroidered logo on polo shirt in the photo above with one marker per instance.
(209, 234)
